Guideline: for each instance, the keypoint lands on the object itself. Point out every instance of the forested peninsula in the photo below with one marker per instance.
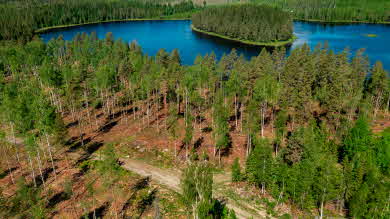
(246, 23)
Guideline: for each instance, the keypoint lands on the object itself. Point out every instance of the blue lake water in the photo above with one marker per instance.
(153, 35)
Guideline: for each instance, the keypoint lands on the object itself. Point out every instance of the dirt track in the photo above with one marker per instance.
(171, 179)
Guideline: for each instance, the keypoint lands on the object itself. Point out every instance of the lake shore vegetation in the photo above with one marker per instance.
(334, 11)
(246, 23)
(20, 19)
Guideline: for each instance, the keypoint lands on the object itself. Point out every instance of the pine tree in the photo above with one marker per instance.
(259, 164)
(378, 87)
(236, 171)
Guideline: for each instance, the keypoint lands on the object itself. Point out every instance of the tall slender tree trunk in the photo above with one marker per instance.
(51, 156)
(147, 110)
(40, 167)
(219, 156)
(32, 170)
(175, 149)
(322, 204)
(388, 103)
(9, 166)
(134, 108)
(241, 118)
(157, 96)
(235, 110)
(263, 109)
(178, 103)
(263, 183)
(143, 117)
(14, 141)
(87, 105)
(165, 93)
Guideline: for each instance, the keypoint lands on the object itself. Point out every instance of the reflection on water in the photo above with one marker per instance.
(153, 35)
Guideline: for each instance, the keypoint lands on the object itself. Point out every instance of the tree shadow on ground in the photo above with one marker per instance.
(45, 175)
(146, 202)
(140, 184)
(7, 171)
(80, 143)
(227, 150)
(72, 124)
(97, 212)
(121, 113)
(57, 198)
(107, 127)
(198, 142)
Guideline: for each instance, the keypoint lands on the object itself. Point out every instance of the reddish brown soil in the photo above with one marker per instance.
(98, 129)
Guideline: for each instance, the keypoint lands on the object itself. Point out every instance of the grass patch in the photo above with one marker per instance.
(237, 199)
(371, 35)
(3, 174)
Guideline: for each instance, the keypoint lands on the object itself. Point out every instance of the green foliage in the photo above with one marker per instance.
(378, 87)
(231, 215)
(197, 182)
(382, 151)
(109, 164)
(245, 21)
(197, 193)
(29, 16)
(366, 184)
(221, 130)
(27, 202)
(358, 139)
(259, 164)
(236, 171)
(68, 188)
(311, 98)
(334, 10)
(306, 172)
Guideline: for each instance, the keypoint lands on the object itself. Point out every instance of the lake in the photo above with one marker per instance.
(177, 34)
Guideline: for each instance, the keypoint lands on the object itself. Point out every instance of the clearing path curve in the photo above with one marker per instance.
(171, 179)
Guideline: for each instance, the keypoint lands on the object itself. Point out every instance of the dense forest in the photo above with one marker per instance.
(21, 19)
(246, 22)
(335, 10)
(317, 105)
(300, 128)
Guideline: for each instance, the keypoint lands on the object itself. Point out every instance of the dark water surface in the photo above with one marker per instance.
(153, 35)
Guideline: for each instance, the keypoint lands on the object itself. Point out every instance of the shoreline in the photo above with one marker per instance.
(51, 28)
(341, 22)
(274, 44)
(253, 43)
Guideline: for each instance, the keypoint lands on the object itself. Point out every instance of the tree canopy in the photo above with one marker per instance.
(251, 22)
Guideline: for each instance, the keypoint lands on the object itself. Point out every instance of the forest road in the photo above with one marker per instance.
(171, 179)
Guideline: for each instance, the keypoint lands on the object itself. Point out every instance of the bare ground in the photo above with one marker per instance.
(171, 179)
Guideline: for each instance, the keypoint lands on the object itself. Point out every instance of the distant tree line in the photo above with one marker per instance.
(315, 102)
(19, 20)
(335, 10)
(258, 23)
